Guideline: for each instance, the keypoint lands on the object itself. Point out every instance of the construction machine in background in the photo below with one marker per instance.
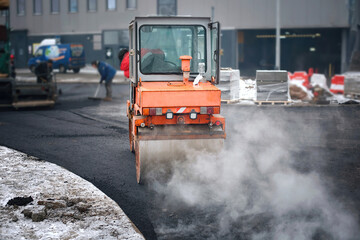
(174, 106)
(14, 93)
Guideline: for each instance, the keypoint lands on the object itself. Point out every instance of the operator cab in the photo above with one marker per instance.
(156, 44)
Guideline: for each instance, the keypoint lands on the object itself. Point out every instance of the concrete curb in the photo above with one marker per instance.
(82, 211)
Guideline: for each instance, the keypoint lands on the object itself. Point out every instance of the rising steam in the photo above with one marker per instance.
(251, 189)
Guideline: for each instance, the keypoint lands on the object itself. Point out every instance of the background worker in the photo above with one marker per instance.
(12, 66)
(4, 67)
(107, 74)
(43, 71)
(124, 61)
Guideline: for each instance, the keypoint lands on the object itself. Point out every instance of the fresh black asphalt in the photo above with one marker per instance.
(90, 138)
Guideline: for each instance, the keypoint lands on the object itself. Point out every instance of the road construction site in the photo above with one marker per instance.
(286, 171)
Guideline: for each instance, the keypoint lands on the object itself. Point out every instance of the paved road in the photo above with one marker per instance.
(277, 160)
(86, 137)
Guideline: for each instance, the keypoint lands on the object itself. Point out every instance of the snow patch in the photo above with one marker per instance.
(22, 175)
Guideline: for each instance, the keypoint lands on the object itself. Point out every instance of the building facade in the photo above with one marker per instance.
(320, 34)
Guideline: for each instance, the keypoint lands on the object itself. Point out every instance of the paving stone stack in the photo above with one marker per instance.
(352, 85)
(229, 83)
(272, 85)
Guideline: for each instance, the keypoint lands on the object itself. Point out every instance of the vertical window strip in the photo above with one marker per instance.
(73, 6)
(55, 6)
(111, 5)
(37, 4)
(20, 7)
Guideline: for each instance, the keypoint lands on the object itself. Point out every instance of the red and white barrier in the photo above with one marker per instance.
(337, 84)
(300, 77)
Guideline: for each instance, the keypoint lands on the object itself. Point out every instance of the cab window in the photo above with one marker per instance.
(39, 52)
(161, 47)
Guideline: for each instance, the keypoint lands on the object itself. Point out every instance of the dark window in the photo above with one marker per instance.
(167, 7)
(111, 5)
(73, 6)
(20, 7)
(3, 13)
(37, 7)
(92, 5)
(111, 37)
(55, 6)
(131, 4)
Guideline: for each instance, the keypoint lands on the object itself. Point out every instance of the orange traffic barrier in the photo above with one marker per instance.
(303, 77)
(337, 84)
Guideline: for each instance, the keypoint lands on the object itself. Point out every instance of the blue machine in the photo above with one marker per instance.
(65, 57)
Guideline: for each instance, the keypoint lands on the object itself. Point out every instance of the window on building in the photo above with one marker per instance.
(20, 7)
(111, 5)
(131, 4)
(167, 7)
(55, 6)
(3, 13)
(37, 7)
(73, 6)
(92, 5)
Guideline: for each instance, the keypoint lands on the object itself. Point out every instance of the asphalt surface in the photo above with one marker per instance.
(90, 138)
(77, 135)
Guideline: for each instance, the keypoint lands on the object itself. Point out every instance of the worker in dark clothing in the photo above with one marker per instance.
(4, 62)
(12, 66)
(107, 74)
(43, 71)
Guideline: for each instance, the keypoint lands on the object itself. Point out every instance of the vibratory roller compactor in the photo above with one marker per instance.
(174, 106)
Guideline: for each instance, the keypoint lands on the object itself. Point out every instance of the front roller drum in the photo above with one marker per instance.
(131, 137)
(159, 155)
(139, 164)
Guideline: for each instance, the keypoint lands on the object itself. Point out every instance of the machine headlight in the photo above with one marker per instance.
(169, 115)
(193, 114)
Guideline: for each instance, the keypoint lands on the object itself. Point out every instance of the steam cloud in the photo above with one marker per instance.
(253, 186)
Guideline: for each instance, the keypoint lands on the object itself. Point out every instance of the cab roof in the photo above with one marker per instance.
(171, 19)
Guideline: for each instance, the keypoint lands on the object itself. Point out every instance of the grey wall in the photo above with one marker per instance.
(236, 14)
(260, 14)
(80, 22)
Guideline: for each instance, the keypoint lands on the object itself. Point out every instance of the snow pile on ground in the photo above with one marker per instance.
(64, 205)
